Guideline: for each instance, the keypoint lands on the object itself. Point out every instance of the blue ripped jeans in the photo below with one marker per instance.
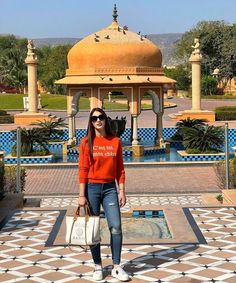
(106, 195)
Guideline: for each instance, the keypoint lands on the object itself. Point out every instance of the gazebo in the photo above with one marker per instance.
(115, 59)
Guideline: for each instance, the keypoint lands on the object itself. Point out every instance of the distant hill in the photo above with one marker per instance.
(166, 42)
(40, 42)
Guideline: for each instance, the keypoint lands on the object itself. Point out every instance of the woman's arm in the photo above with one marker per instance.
(82, 198)
(83, 173)
(121, 176)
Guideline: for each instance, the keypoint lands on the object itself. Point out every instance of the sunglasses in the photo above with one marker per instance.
(100, 117)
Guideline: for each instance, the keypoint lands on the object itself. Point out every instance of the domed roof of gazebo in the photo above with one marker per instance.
(113, 47)
(114, 51)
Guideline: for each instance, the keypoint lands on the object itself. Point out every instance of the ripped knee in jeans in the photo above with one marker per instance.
(115, 231)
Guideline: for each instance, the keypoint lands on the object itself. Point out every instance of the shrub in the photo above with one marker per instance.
(186, 123)
(204, 138)
(32, 140)
(225, 113)
(219, 169)
(10, 179)
(3, 112)
(219, 197)
(5, 118)
(51, 129)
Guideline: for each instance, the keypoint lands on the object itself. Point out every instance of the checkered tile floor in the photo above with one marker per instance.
(131, 200)
(25, 258)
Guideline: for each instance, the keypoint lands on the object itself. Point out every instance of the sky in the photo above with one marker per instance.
(79, 18)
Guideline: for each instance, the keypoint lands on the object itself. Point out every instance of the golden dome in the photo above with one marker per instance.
(114, 49)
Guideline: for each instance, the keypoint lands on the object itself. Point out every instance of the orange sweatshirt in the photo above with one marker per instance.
(107, 164)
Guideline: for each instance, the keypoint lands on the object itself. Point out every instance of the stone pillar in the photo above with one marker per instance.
(74, 127)
(135, 130)
(71, 140)
(131, 128)
(32, 61)
(195, 59)
(71, 124)
(159, 127)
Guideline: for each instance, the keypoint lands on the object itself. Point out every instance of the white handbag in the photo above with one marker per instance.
(83, 230)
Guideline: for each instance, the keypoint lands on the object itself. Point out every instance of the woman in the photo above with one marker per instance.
(100, 165)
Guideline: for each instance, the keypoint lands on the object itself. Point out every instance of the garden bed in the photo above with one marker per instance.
(9, 159)
(201, 156)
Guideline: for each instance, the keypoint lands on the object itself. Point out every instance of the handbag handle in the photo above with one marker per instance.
(87, 211)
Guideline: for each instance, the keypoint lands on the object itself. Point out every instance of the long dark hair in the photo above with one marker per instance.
(91, 131)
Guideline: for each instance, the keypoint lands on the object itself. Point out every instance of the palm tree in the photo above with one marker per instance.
(186, 123)
(51, 127)
(190, 123)
(32, 140)
(203, 138)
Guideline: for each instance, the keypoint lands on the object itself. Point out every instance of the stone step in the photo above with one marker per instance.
(172, 116)
(210, 199)
(175, 115)
(229, 196)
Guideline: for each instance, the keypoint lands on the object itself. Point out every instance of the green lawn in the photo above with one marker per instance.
(219, 97)
(11, 101)
(55, 102)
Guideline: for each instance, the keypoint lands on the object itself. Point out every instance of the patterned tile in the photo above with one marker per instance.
(131, 201)
(25, 258)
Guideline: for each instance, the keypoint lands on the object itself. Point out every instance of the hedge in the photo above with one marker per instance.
(10, 179)
(5, 118)
(3, 112)
(225, 113)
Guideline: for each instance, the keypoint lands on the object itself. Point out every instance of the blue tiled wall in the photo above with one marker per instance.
(203, 157)
(145, 134)
(29, 160)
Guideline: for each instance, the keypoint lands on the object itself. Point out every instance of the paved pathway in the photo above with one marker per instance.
(140, 179)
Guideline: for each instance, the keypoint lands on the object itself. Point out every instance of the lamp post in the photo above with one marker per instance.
(18, 154)
(227, 175)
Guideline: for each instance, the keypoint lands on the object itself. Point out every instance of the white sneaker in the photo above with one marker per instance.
(119, 273)
(98, 273)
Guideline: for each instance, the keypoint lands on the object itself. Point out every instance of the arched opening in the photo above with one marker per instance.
(146, 102)
(115, 100)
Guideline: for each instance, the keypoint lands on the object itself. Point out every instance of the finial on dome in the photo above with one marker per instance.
(115, 15)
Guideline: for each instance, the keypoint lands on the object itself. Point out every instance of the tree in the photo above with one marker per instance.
(181, 74)
(209, 85)
(12, 61)
(218, 47)
(52, 66)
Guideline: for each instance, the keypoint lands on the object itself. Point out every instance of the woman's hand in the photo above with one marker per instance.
(122, 198)
(82, 201)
